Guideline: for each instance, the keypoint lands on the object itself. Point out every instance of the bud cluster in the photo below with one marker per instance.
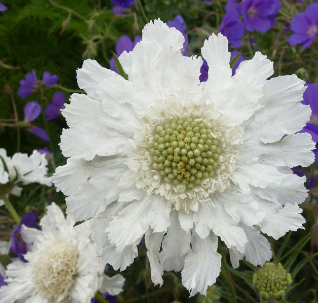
(185, 151)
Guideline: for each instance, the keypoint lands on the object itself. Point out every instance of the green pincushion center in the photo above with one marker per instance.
(185, 151)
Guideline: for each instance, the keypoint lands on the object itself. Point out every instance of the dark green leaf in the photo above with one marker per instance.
(293, 257)
(120, 69)
(301, 264)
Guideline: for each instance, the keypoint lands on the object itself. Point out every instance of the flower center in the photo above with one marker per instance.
(252, 12)
(56, 269)
(313, 30)
(185, 151)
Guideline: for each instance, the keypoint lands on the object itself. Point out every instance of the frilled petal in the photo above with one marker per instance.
(113, 285)
(202, 264)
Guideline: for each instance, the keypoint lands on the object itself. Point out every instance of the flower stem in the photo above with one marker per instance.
(11, 209)
(229, 285)
(68, 90)
(142, 11)
(100, 298)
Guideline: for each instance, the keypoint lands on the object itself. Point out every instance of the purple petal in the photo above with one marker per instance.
(18, 245)
(48, 79)
(31, 111)
(312, 13)
(27, 85)
(311, 182)
(232, 28)
(298, 39)
(311, 129)
(308, 42)
(238, 62)
(3, 8)
(232, 4)
(52, 111)
(123, 3)
(136, 40)
(300, 24)
(311, 98)
(2, 283)
(40, 132)
(108, 297)
(124, 43)
(117, 10)
(112, 65)
(204, 71)
(45, 150)
(59, 99)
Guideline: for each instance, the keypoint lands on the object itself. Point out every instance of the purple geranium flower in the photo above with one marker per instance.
(305, 26)
(3, 8)
(232, 27)
(205, 68)
(259, 14)
(123, 44)
(53, 110)
(123, 3)
(232, 4)
(178, 23)
(108, 297)
(31, 111)
(18, 245)
(30, 83)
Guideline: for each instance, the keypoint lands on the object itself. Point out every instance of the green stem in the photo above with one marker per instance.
(142, 11)
(229, 285)
(100, 298)
(68, 90)
(11, 209)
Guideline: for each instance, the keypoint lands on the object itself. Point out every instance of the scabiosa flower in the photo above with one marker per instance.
(184, 162)
(21, 170)
(259, 15)
(31, 111)
(3, 8)
(124, 43)
(18, 245)
(53, 110)
(61, 260)
(30, 83)
(305, 26)
(232, 27)
(178, 23)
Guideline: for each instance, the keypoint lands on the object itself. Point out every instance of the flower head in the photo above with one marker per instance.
(21, 169)
(49, 79)
(53, 110)
(232, 27)
(31, 111)
(259, 15)
(60, 260)
(18, 245)
(184, 162)
(305, 27)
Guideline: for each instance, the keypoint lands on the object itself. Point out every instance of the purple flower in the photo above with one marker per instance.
(205, 68)
(178, 23)
(27, 86)
(259, 14)
(3, 8)
(30, 83)
(18, 245)
(31, 111)
(117, 10)
(53, 110)
(123, 44)
(48, 79)
(108, 297)
(2, 283)
(123, 3)
(232, 4)
(232, 27)
(305, 27)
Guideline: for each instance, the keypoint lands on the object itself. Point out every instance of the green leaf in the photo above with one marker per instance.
(245, 277)
(120, 69)
(296, 285)
(234, 60)
(281, 250)
(293, 257)
(223, 260)
(301, 264)
(250, 265)
(4, 164)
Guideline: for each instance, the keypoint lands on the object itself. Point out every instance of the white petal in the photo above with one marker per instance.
(202, 264)
(279, 220)
(235, 257)
(225, 227)
(242, 208)
(159, 214)
(113, 285)
(202, 219)
(153, 244)
(258, 249)
(283, 89)
(258, 175)
(186, 221)
(175, 245)
(131, 193)
(90, 76)
(129, 225)
(275, 121)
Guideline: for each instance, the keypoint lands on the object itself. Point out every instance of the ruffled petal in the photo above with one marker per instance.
(113, 285)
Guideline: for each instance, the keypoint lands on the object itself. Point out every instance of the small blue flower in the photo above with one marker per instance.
(53, 110)
(305, 27)
(18, 245)
(123, 3)
(3, 8)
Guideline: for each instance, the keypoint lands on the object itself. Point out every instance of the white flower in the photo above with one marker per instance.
(185, 162)
(62, 265)
(21, 169)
